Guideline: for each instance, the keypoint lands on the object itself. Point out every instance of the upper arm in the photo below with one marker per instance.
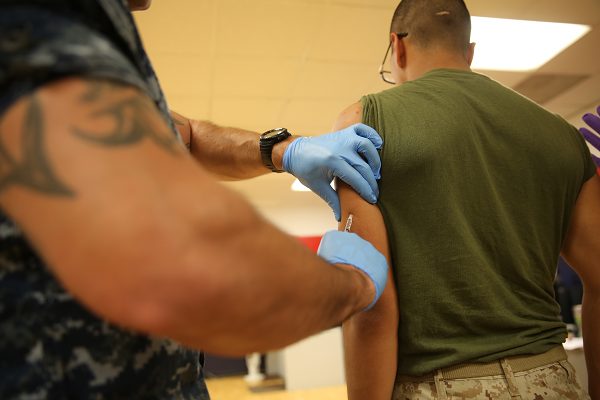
(367, 221)
(350, 116)
(582, 244)
(106, 194)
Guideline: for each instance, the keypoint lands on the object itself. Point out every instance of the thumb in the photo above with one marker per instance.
(367, 132)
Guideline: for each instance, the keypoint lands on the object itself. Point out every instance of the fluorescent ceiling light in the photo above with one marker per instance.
(298, 187)
(519, 45)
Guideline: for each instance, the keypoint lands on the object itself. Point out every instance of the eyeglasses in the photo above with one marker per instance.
(387, 75)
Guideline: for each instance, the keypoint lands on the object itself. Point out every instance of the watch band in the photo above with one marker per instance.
(266, 143)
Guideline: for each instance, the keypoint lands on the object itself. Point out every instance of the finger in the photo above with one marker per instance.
(289, 152)
(593, 121)
(365, 172)
(591, 138)
(367, 132)
(326, 192)
(366, 148)
(352, 177)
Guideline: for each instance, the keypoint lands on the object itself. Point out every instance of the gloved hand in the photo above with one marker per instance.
(348, 248)
(315, 161)
(594, 122)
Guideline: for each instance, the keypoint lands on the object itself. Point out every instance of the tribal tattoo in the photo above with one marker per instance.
(34, 170)
(132, 119)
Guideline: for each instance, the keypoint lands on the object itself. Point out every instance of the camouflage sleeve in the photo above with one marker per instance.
(38, 47)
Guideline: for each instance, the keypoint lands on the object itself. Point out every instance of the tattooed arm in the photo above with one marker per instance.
(144, 237)
(228, 153)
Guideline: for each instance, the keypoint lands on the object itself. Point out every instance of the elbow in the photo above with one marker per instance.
(165, 275)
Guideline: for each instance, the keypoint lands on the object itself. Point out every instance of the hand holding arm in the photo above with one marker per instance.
(349, 249)
(593, 121)
(349, 154)
(231, 154)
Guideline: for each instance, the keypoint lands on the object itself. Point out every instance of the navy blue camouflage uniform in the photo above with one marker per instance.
(50, 346)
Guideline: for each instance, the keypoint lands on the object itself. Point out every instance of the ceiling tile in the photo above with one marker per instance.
(311, 117)
(385, 4)
(359, 35)
(196, 107)
(257, 77)
(583, 57)
(327, 80)
(542, 88)
(185, 28)
(182, 74)
(579, 12)
(498, 9)
(575, 102)
(266, 28)
(253, 114)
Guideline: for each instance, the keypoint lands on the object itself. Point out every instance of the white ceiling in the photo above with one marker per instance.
(297, 63)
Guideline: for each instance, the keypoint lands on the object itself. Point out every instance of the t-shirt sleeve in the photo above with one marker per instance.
(369, 111)
(589, 168)
(38, 47)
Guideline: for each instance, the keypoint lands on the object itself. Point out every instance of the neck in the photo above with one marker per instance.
(434, 59)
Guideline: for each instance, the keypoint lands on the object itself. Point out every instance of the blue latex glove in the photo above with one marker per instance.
(594, 122)
(350, 155)
(348, 248)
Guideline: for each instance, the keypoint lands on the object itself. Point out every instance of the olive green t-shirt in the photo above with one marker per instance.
(478, 185)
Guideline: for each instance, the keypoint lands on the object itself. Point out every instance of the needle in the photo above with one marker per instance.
(348, 223)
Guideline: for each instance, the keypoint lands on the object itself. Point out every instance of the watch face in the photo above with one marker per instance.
(273, 133)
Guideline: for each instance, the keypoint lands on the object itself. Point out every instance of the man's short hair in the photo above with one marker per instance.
(434, 22)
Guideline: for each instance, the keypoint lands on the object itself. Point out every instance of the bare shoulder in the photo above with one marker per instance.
(349, 116)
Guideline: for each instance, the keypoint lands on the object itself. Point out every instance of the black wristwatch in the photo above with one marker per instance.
(267, 141)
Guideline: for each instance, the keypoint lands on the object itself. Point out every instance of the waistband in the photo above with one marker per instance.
(476, 370)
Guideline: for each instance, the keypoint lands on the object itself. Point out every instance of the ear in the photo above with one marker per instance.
(470, 53)
(398, 51)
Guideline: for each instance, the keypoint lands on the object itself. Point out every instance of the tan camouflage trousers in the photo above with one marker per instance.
(555, 381)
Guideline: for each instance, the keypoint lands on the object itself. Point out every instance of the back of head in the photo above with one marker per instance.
(434, 23)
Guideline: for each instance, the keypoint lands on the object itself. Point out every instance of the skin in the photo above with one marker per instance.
(139, 5)
(367, 373)
(581, 249)
(86, 170)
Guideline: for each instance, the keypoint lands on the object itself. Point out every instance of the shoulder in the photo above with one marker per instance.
(349, 116)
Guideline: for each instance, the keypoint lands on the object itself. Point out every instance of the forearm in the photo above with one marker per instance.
(370, 348)
(230, 153)
(591, 338)
(275, 293)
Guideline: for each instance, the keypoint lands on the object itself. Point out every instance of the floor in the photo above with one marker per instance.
(236, 389)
